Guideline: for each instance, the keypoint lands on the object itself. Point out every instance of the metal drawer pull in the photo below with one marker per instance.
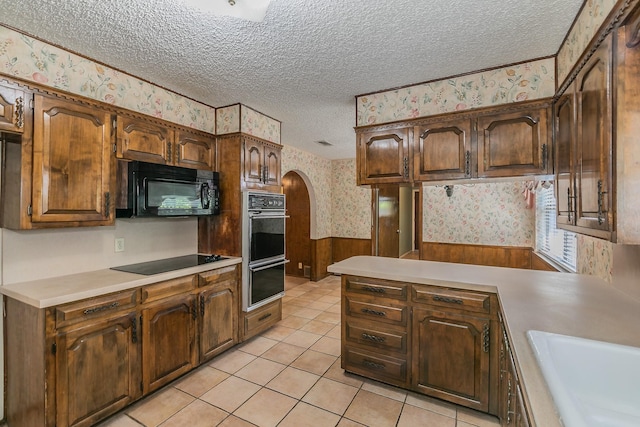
(101, 308)
(374, 289)
(263, 317)
(373, 365)
(374, 312)
(447, 299)
(373, 338)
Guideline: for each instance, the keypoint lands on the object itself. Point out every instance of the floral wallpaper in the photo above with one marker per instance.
(585, 27)
(240, 118)
(351, 205)
(531, 80)
(30, 59)
(317, 171)
(595, 257)
(480, 213)
(228, 119)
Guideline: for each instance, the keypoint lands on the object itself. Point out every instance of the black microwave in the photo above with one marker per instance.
(154, 190)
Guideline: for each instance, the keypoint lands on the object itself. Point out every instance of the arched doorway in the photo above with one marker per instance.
(298, 240)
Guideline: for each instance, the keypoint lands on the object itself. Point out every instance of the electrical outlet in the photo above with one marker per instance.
(299, 266)
(119, 244)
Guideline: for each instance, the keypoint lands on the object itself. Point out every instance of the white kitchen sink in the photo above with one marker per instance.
(593, 383)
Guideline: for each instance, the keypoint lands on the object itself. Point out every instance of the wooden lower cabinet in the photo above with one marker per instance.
(77, 363)
(168, 341)
(430, 339)
(102, 361)
(450, 359)
(261, 319)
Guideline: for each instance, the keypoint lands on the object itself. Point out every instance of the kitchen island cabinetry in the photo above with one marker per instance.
(512, 408)
(429, 339)
(452, 345)
(75, 363)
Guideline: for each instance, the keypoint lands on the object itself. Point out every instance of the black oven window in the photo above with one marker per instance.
(267, 238)
(266, 283)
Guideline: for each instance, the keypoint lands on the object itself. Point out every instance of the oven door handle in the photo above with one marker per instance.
(267, 216)
(264, 267)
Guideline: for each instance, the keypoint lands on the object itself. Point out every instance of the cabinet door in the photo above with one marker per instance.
(594, 150)
(514, 144)
(565, 119)
(383, 157)
(168, 341)
(272, 165)
(218, 320)
(72, 163)
(194, 151)
(451, 357)
(12, 109)
(98, 370)
(140, 140)
(444, 151)
(253, 161)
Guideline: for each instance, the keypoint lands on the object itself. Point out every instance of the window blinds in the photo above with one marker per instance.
(558, 245)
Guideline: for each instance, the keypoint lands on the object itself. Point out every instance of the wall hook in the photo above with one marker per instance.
(449, 190)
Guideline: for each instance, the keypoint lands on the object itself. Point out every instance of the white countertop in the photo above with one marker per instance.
(74, 287)
(563, 303)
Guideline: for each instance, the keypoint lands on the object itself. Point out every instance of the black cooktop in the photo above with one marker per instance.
(168, 264)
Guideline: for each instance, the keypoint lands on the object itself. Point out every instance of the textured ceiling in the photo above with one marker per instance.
(307, 60)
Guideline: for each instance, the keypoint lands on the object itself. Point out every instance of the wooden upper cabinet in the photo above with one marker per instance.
(383, 156)
(145, 141)
(72, 163)
(12, 105)
(594, 141)
(272, 174)
(194, 150)
(565, 158)
(138, 139)
(514, 143)
(253, 161)
(443, 151)
(261, 163)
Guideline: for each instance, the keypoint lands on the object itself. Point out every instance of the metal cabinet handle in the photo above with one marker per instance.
(373, 338)
(19, 113)
(134, 330)
(569, 205)
(406, 167)
(447, 299)
(374, 289)
(374, 312)
(601, 202)
(545, 155)
(373, 365)
(467, 164)
(264, 317)
(101, 308)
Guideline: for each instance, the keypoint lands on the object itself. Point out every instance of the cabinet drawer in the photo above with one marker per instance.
(263, 317)
(376, 366)
(379, 288)
(382, 313)
(453, 298)
(168, 288)
(95, 307)
(218, 276)
(377, 337)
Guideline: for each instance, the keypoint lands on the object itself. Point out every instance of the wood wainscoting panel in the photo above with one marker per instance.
(539, 263)
(496, 256)
(320, 258)
(344, 248)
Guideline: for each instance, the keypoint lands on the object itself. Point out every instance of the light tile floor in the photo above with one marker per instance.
(290, 376)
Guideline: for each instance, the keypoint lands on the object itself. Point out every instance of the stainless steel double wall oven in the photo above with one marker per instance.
(263, 250)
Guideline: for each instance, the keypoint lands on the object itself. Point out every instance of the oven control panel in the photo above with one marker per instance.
(265, 201)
